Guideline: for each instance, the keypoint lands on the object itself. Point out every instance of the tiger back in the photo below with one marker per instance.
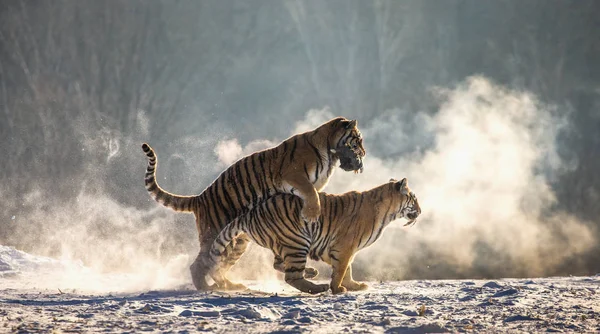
(300, 165)
(348, 223)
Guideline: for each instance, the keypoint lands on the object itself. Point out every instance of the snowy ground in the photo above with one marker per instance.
(570, 304)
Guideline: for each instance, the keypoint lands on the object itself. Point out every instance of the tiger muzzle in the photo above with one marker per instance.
(350, 160)
(412, 217)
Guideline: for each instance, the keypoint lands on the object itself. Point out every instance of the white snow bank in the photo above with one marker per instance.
(14, 262)
(20, 270)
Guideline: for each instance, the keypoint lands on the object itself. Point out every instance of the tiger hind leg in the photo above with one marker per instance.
(294, 265)
(309, 272)
(234, 252)
(224, 251)
(198, 270)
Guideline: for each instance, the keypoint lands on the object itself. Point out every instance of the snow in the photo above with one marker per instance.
(13, 262)
(501, 305)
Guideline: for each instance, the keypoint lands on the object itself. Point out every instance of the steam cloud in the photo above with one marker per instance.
(483, 186)
(481, 167)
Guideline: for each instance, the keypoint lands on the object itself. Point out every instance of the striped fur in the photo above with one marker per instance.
(300, 165)
(348, 223)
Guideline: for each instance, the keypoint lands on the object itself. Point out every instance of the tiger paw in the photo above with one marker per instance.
(338, 290)
(310, 272)
(310, 214)
(318, 288)
(233, 286)
(355, 286)
(237, 287)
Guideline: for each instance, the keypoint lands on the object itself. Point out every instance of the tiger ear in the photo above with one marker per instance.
(393, 180)
(353, 123)
(402, 186)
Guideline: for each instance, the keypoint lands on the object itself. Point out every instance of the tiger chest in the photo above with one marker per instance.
(320, 173)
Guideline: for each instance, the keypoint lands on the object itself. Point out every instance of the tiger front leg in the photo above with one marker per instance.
(302, 187)
(350, 284)
(309, 272)
(294, 265)
(340, 267)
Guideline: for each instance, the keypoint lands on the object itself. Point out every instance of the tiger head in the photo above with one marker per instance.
(348, 144)
(404, 201)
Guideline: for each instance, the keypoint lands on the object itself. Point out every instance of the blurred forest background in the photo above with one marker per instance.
(84, 82)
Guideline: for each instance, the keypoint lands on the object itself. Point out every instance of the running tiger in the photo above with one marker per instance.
(300, 165)
(348, 223)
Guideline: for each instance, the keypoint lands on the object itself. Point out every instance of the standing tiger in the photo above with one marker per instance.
(300, 165)
(348, 223)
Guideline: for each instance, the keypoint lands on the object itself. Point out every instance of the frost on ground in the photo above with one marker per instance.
(569, 304)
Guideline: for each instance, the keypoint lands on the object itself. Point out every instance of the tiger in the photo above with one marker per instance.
(348, 223)
(300, 165)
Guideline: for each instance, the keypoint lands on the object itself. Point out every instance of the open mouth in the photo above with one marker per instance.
(412, 218)
(411, 222)
(349, 159)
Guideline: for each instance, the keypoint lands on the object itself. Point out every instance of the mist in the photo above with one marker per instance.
(490, 110)
(484, 186)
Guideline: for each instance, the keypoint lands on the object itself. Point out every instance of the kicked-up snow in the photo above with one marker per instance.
(563, 304)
